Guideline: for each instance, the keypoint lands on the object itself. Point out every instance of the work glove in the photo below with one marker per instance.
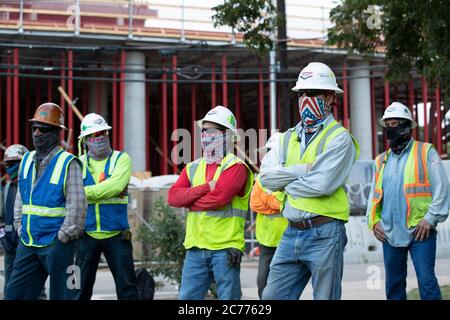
(234, 257)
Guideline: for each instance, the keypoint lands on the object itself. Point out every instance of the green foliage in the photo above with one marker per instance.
(165, 254)
(256, 19)
(414, 293)
(415, 34)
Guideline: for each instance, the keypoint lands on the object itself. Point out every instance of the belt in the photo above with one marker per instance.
(310, 223)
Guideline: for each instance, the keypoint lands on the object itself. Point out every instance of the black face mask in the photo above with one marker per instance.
(45, 143)
(398, 137)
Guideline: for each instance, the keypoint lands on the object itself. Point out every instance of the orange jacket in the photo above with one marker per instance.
(262, 202)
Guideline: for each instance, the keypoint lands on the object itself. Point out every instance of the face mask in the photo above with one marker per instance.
(398, 137)
(13, 170)
(214, 145)
(98, 147)
(313, 111)
(45, 142)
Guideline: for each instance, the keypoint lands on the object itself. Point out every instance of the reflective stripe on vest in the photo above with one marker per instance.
(221, 228)
(335, 205)
(417, 192)
(110, 214)
(43, 208)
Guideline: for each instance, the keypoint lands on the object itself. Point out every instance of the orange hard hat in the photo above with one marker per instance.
(49, 113)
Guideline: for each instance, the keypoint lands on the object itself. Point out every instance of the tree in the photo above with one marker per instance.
(165, 242)
(256, 19)
(414, 33)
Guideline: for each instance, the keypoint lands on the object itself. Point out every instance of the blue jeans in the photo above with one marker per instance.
(201, 267)
(316, 253)
(423, 255)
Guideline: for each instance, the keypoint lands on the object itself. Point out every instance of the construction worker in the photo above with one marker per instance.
(315, 203)
(106, 174)
(409, 197)
(9, 238)
(216, 189)
(49, 212)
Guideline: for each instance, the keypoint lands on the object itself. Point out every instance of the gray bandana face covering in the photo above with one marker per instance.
(98, 148)
(45, 143)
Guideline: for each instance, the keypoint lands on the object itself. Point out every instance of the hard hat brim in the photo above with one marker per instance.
(89, 132)
(312, 87)
(235, 134)
(413, 122)
(50, 124)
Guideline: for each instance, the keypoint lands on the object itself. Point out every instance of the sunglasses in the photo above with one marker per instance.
(42, 128)
(309, 93)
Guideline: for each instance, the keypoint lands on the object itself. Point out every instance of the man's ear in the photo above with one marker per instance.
(329, 98)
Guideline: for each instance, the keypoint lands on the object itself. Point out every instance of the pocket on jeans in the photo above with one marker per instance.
(327, 230)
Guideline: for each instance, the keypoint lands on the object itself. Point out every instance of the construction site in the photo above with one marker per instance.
(150, 67)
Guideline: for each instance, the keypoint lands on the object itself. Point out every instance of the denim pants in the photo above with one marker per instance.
(33, 265)
(119, 256)
(316, 253)
(201, 267)
(423, 255)
(265, 258)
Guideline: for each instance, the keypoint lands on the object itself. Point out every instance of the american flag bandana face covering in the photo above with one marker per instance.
(313, 112)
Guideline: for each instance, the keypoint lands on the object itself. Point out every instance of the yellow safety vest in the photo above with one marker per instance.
(335, 205)
(222, 228)
(416, 185)
(269, 227)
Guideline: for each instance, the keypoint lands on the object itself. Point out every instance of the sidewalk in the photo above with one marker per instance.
(359, 282)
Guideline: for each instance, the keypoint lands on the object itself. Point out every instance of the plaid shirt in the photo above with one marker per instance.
(76, 203)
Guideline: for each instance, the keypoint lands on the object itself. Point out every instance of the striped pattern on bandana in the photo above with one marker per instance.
(312, 112)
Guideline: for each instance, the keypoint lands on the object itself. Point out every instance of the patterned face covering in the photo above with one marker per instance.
(214, 145)
(313, 111)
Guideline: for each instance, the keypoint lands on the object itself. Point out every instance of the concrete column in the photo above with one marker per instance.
(134, 119)
(361, 123)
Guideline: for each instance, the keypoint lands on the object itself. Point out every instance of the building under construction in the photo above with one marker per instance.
(150, 67)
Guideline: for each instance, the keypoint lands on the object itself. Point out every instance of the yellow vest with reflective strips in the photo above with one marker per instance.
(222, 228)
(269, 227)
(416, 185)
(335, 205)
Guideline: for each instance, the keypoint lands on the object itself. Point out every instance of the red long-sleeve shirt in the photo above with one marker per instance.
(200, 198)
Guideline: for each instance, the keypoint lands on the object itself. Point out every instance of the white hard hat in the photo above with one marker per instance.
(14, 152)
(397, 110)
(316, 75)
(92, 123)
(220, 115)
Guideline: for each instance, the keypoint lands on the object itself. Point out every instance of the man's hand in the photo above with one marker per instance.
(63, 237)
(379, 232)
(212, 185)
(234, 257)
(423, 230)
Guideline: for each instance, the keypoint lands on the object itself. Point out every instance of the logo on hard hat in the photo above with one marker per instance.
(232, 120)
(98, 121)
(306, 75)
(406, 110)
(43, 113)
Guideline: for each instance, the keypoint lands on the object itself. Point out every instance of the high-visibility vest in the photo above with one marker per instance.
(44, 204)
(221, 228)
(416, 185)
(105, 214)
(335, 205)
(269, 227)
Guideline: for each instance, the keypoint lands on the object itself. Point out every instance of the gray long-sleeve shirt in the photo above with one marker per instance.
(76, 203)
(329, 171)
